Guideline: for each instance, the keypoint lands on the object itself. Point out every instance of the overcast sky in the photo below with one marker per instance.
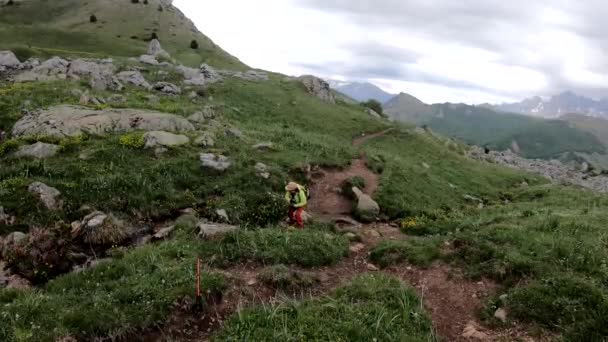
(469, 51)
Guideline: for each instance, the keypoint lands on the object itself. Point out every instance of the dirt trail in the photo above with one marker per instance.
(451, 299)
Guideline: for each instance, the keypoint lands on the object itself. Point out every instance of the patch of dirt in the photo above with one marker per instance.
(366, 137)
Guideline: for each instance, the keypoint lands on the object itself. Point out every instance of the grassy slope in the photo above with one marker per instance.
(536, 138)
(46, 27)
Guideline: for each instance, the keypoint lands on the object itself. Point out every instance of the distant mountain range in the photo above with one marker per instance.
(556, 106)
(479, 125)
(361, 91)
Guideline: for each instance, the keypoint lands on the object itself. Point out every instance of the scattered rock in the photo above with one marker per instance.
(38, 150)
(211, 230)
(215, 162)
(167, 88)
(81, 67)
(251, 75)
(49, 196)
(207, 113)
(166, 139)
(12, 240)
(134, 78)
(372, 268)
(9, 60)
(206, 139)
(265, 146)
(164, 233)
(199, 77)
(262, 170)
(148, 59)
(471, 332)
(53, 69)
(64, 121)
(356, 248)
(223, 215)
(367, 209)
(318, 87)
(235, 133)
(501, 315)
(210, 74)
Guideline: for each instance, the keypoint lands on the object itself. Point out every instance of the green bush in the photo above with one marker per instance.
(371, 308)
(8, 146)
(281, 277)
(273, 246)
(264, 209)
(374, 105)
(348, 184)
(568, 304)
(133, 140)
(417, 251)
(194, 45)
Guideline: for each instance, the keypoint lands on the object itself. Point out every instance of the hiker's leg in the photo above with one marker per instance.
(298, 217)
(291, 215)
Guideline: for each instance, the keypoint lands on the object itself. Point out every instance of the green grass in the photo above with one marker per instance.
(308, 248)
(116, 298)
(416, 251)
(408, 188)
(283, 278)
(371, 308)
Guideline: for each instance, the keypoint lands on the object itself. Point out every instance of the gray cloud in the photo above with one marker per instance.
(511, 29)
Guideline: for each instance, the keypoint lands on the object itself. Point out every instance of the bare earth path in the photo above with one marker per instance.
(451, 299)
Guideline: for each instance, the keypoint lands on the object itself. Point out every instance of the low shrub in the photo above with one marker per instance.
(273, 246)
(371, 308)
(133, 140)
(8, 146)
(264, 209)
(281, 277)
(417, 251)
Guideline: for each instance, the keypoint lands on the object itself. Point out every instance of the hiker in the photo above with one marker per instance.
(297, 197)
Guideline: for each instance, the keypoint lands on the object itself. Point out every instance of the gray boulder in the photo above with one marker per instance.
(235, 133)
(52, 69)
(81, 67)
(318, 87)
(200, 77)
(261, 170)
(215, 162)
(207, 139)
(164, 139)
(64, 121)
(49, 196)
(38, 150)
(210, 74)
(134, 78)
(12, 240)
(223, 215)
(9, 60)
(207, 113)
(367, 209)
(211, 230)
(156, 50)
(167, 88)
(148, 59)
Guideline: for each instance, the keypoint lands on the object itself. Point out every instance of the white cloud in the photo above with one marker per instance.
(475, 51)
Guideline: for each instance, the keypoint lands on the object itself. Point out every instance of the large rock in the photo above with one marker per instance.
(38, 150)
(82, 67)
(9, 60)
(367, 209)
(199, 77)
(318, 87)
(64, 121)
(52, 69)
(215, 162)
(211, 230)
(165, 139)
(49, 196)
(156, 50)
(134, 78)
(167, 88)
(148, 59)
(12, 240)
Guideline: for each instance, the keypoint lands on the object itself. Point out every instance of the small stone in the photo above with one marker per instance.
(426, 166)
(164, 233)
(216, 162)
(480, 206)
(266, 146)
(223, 215)
(372, 268)
(356, 248)
(503, 298)
(84, 98)
(373, 233)
(501, 315)
(49, 196)
(235, 133)
(251, 282)
(207, 139)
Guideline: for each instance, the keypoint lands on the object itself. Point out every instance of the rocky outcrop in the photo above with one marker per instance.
(148, 59)
(38, 150)
(167, 88)
(207, 113)
(156, 50)
(9, 60)
(318, 87)
(207, 139)
(201, 76)
(134, 78)
(554, 170)
(251, 75)
(215, 162)
(49, 196)
(64, 121)
(164, 139)
(367, 210)
(52, 69)
(211, 230)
